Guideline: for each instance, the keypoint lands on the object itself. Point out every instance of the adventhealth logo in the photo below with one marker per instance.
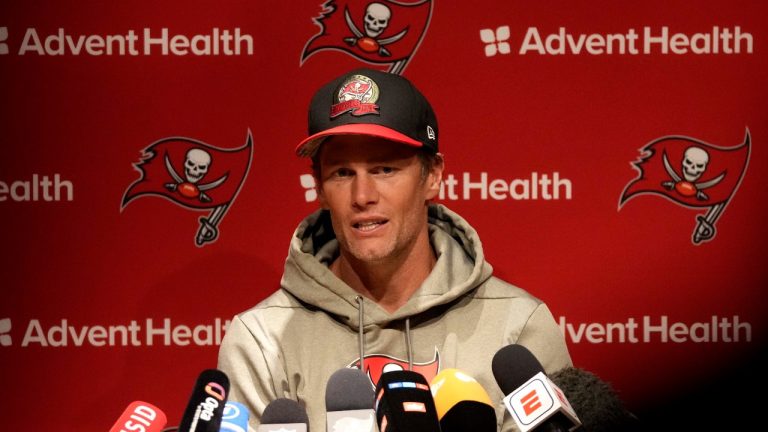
(5, 327)
(310, 189)
(663, 40)
(3, 38)
(481, 186)
(140, 42)
(496, 41)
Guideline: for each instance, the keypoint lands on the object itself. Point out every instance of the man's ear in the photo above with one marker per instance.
(435, 177)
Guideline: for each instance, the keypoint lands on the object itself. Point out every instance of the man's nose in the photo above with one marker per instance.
(364, 190)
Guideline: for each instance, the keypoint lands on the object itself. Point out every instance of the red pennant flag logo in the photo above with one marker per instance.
(194, 175)
(690, 173)
(377, 364)
(379, 32)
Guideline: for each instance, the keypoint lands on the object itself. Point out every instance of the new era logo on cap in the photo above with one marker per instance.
(371, 102)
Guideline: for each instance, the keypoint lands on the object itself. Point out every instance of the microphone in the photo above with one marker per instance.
(404, 403)
(283, 415)
(234, 418)
(462, 403)
(206, 405)
(533, 401)
(349, 402)
(140, 417)
(600, 409)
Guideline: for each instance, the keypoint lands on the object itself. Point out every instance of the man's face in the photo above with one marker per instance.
(376, 195)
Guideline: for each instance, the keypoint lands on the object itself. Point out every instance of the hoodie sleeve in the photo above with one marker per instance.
(246, 361)
(543, 337)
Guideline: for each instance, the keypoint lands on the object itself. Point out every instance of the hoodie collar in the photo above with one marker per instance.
(460, 267)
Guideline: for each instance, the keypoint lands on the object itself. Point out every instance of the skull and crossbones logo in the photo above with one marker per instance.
(695, 161)
(376, 18)
(197, 163)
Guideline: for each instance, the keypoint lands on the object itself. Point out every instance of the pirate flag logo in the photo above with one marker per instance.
(382, 32)
(194, 175)
(376, 364)
(692, 174)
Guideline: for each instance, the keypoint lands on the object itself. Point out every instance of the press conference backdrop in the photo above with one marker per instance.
(612, 156)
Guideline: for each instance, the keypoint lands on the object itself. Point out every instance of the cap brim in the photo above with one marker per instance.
(309, 145)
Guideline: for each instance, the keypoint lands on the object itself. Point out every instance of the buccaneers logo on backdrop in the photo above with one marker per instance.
(383, 32)
(194, 175)
(377, 364)
(693, 174)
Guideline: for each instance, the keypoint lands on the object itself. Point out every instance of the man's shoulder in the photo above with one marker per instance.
(501, 290)
(278, 302)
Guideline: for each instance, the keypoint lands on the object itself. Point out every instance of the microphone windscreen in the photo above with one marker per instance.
(512, 366)
(140, 415)
(462, 403)
(285, 411)
(348, 390)
(598, 406)
(206, 405)
(404, 403)
(235, 418)
(452, 386)
(469, 416)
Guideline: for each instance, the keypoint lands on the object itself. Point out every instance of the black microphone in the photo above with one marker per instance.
(533, 401)
(349, 402)
(284, 414)
(206, 405)
(599, 408)
(404, 403)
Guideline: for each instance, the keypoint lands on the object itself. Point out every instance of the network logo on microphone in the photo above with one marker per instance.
(536, 401)
(532, 401)
(5, 327)
(210, 404)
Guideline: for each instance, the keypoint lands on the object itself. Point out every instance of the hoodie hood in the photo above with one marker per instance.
(460, 268)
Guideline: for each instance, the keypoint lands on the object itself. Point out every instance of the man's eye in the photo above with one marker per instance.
(385, 170)
(343, 172)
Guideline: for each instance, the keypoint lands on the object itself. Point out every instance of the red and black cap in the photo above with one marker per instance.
(371, 102)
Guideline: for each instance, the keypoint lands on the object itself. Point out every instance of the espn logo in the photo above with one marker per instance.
(537, 400)
(530, 402)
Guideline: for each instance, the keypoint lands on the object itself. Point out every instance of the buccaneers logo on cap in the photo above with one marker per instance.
(693, 174)
(377, 364)
(357, 95)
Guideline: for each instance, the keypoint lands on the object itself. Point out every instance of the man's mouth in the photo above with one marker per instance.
(369, 225)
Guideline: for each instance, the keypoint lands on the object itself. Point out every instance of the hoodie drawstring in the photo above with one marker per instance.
(361, 336)
(408, 343)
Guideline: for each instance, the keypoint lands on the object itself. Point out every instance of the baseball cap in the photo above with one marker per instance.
(371, 102)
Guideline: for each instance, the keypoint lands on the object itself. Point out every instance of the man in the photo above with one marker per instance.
(379, 273)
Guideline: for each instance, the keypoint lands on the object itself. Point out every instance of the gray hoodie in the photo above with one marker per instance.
(292, 342)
